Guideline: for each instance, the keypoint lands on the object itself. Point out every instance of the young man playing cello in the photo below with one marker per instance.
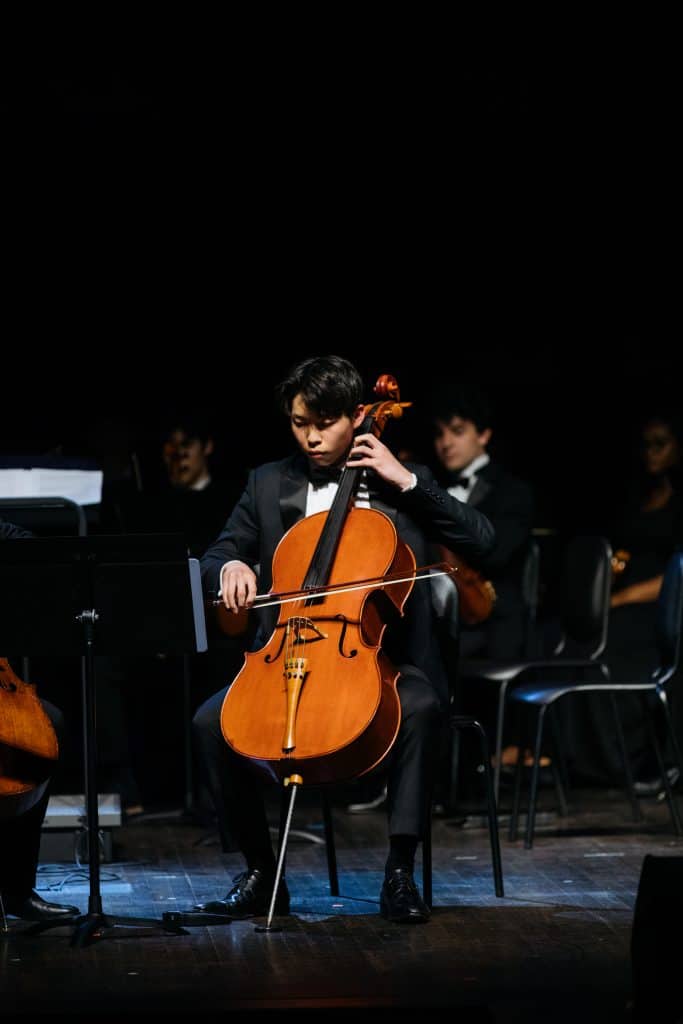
(322, 398)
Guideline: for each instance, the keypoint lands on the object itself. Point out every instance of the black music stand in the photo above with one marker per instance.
(123, 595)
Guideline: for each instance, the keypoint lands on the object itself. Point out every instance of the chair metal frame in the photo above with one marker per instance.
(542, 695)
(584, 615)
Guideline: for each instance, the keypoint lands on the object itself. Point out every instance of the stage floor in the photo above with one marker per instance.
(556, 947)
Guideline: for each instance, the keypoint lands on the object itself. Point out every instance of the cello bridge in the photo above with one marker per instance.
(298, 624)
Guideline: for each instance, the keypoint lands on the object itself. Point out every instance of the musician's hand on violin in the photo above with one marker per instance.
(368, 452)
(238, 585)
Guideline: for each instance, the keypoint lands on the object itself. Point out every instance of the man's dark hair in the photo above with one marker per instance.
(469, 403)
(329, 385)
(194, 425)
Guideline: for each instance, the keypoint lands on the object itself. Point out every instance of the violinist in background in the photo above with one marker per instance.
(20, 833)
(463, 428)
(322, 399)
(462, 423)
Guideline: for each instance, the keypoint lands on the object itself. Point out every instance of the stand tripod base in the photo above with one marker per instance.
(177, 919)
(89, 927)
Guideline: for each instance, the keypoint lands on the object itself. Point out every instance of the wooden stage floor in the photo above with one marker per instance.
(556, 947)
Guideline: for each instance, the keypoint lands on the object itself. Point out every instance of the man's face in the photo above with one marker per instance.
(458, 442)
(186, 459)
(324, 441)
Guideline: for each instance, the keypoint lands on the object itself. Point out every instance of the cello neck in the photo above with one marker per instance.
(321, 563)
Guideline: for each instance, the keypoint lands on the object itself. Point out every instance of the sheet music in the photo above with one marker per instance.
(84, 486)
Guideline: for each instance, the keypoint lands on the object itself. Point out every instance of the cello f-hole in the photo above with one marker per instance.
(342, 635)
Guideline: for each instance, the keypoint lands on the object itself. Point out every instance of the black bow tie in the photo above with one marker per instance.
(321, 475)
(454, 479)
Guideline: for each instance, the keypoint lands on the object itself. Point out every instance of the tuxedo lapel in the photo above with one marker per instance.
(487, 479)
(479, 492)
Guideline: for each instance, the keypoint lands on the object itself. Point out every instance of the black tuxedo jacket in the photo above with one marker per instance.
(509, 503)
(275, 499)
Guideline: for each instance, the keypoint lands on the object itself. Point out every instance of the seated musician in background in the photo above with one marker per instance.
(462, 423)
(322, 399)
(646, 528)
(141, 698)
(20, 834)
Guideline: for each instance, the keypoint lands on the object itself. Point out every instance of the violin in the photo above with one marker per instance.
(476, 595)
(28, 744)
(318, 702)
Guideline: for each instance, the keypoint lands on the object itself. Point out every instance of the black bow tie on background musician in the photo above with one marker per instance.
(452, 478)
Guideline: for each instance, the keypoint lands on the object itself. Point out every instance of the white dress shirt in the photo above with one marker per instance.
(463, 493)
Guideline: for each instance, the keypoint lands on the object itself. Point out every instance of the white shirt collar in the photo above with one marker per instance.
(475, 465)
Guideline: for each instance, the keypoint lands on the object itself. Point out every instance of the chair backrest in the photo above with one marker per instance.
(669, 619)
(585, 589)
(531, 572)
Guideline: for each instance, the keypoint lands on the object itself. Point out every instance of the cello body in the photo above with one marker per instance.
(28, 745)
(319, 699)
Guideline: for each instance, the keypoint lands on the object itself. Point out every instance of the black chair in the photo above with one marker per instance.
(584, 594)
(456, 722)
(653, 692)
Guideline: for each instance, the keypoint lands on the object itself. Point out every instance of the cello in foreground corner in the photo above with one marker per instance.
(28, 744)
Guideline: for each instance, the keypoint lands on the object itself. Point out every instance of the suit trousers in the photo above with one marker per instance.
(237, 791)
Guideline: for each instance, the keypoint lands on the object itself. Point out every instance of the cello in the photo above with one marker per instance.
(28, 745)
(318, 703)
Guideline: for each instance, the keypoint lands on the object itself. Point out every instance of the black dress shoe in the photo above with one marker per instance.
(400, 900)
(250, 896)
(655, 786)
(35, 908)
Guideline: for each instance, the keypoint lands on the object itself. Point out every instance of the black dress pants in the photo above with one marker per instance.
(237, 791)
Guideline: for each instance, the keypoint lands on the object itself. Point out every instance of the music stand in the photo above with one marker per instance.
(123, 595)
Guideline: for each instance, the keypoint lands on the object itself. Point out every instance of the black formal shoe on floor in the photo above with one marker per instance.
(655, 786)
(35, 908)
(250, 896)
(400, 900)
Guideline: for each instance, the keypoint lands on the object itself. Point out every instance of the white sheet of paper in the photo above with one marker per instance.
(84, 486)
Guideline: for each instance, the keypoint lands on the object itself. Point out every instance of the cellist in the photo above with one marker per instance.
(322, 398)
(20, 833)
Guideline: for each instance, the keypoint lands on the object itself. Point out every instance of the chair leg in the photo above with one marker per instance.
(517, 791)
(454, 768)
(673, 809)
(498, 753)
(330, 848)
(628, 774)
(557, 761)
(427, 858)
(494, 838)
(533, 789)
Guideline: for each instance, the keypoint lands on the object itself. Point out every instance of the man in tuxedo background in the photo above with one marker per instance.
(462, 422)
(462, 433)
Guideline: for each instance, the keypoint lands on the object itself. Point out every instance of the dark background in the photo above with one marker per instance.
(182, 224)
